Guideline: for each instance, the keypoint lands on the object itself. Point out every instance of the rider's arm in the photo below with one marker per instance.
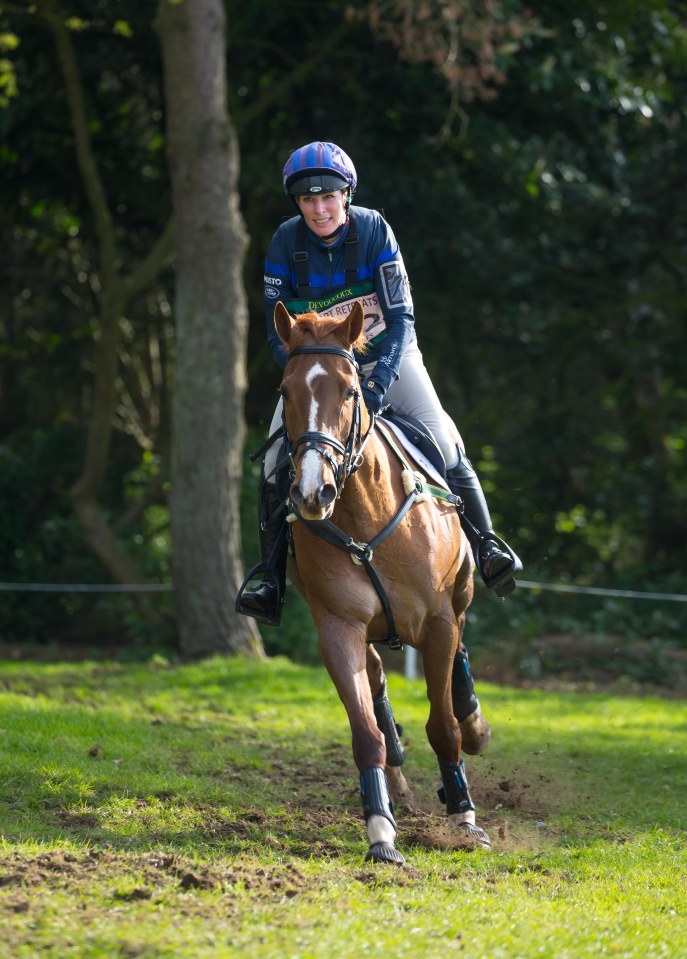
(393, 291)
(278, 285)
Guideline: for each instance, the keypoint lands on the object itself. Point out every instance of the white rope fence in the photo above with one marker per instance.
(168, 588)
(598, 591)
(86, 587)
(410, 653)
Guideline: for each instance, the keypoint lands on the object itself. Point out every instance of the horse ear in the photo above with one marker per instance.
(356, 319)
(283, 322)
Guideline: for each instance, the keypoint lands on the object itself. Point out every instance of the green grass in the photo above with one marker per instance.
(212, 810)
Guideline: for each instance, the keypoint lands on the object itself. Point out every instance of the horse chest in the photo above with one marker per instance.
(416, 565)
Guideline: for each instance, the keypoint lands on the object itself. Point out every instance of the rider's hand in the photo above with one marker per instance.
(373, 396)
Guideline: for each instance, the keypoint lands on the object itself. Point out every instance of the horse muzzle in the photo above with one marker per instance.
(316, 505)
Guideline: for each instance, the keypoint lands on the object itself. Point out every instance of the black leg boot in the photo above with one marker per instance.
(496, 562)
(265, 601)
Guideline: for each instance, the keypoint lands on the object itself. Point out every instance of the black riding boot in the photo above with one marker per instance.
(265, 602)
(496, 562)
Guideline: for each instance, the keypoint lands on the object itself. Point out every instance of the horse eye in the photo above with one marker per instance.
(284, 393)
(351, 391)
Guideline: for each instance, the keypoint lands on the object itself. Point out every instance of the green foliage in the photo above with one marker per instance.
(543, 231)
(8, 76)
(539, 634)
(38, 532)
(41, 543)
(213, 811)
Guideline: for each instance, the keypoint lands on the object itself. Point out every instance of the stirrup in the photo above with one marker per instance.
(267, 574)
(504, 582)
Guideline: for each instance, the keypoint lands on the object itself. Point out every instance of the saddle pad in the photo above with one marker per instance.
(414, 453)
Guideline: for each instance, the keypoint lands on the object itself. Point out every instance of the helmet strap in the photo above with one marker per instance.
(337, 231)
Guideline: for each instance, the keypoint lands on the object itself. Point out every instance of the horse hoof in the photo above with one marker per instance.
(401, 793)
(476, 733)
(384, 852)
(474, 836)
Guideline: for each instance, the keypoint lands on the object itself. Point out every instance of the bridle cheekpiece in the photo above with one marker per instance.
(351, 450)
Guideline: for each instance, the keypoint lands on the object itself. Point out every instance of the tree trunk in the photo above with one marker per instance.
(211, 332)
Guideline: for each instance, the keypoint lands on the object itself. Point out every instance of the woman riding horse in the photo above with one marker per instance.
(379, 554)
(325, 259)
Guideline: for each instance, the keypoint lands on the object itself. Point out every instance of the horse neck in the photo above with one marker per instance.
(371, 493)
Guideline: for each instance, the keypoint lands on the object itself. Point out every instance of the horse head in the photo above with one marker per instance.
(323, 412)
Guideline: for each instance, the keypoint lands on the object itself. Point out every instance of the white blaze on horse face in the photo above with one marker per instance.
(311, 464)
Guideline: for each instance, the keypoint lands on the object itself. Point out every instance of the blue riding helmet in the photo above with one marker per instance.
(318, 168)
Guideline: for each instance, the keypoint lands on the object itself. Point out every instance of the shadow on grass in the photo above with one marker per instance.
(232, 757)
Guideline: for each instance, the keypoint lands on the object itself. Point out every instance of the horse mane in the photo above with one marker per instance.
(313, 327)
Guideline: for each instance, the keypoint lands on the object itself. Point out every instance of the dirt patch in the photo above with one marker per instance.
(154, 873)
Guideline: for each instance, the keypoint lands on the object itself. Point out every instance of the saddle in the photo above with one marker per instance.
(419, 436)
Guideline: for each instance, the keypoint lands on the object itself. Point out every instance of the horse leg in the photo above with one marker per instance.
(474, 728)
(444, 734)
(344, 652)
(395, 754)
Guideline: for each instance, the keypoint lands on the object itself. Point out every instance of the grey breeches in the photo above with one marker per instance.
(412, 394)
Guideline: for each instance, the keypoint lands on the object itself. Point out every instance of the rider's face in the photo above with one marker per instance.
(325, 212)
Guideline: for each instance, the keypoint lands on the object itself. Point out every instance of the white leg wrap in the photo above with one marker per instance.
(459, 817)
(379, 829)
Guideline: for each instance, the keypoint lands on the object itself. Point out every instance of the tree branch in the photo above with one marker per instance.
(159, 256)
(95, 192)
(279, 90)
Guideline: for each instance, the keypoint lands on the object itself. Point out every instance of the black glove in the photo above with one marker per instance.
(373, 395)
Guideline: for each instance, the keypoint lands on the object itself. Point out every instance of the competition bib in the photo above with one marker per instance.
(340, 304)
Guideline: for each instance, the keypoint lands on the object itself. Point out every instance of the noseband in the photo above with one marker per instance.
(314, 440)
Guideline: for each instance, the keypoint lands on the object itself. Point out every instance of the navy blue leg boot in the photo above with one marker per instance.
(455, 793)
(463, 695)
(379, 817)
(395, 754)
(474, 728)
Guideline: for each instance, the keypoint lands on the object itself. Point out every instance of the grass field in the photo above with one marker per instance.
(212, 810)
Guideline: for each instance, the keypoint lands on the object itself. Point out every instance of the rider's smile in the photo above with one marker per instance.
(324, 213)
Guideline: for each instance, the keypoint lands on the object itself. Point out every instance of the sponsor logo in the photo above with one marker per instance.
(320, 305)
(271, 293)
(388, 360)
(315, 189)
(272, 280)
(395, 285)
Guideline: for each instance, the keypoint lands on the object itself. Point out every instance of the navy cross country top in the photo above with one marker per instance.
(381, 287)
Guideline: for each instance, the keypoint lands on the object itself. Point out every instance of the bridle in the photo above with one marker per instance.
(351, 451)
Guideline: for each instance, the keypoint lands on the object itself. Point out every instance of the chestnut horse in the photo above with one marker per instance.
(376, 562)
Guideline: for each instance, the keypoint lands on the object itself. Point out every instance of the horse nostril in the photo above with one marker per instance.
(327, 494)
(296, 495)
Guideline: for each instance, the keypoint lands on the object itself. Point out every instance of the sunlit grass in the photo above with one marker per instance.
(213, 810)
